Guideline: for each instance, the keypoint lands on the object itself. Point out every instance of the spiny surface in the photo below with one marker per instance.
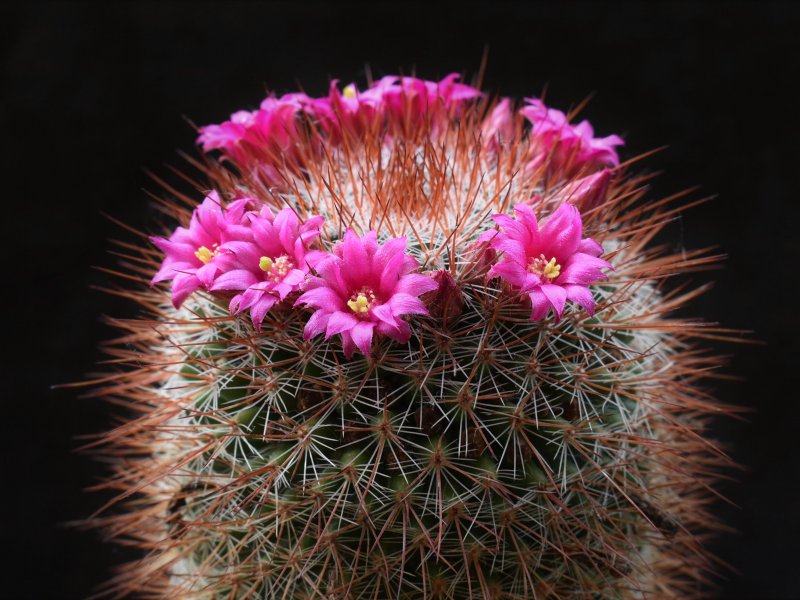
(491, 456)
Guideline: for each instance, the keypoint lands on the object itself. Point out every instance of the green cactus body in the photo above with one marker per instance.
(490, 456)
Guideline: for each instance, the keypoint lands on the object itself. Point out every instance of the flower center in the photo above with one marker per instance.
(360, 302)
(547, 269)
(204, 255)
(276, 269)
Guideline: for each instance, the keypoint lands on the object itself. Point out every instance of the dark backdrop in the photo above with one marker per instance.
(93, 93)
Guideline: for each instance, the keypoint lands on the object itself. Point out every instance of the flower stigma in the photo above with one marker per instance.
(204, 255)
(276, 269)
(349, 91)
(360, 302)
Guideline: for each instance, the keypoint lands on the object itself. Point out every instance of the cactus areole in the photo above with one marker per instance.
(411, 341)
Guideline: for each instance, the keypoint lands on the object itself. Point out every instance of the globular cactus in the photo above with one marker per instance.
(418, 344)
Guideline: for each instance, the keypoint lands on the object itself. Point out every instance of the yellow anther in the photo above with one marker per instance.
(349, 91)
(549, 270)
(204, 255)
(265, 263)
(359, 305)
(552, 269)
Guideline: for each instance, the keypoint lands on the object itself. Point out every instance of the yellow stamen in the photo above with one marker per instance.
(359, 305)
(549, 270)
(265, 263)
(552, 269)
(204, 255)
(349, 91)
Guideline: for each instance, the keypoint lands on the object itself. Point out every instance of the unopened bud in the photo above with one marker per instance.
(448, 299)
(588, 192)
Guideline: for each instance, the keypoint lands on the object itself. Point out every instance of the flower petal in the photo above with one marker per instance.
(561, 234)
(401, 333)
(175, 250)
(316, 324)
(206, 274)
(294, 278)
(171, 268)
(416, 284)
(182, 285)
(348, 346)
(388, 251)
(247, 253)
(354, 255)
(287, 224)
(405, 304)
(556, 296)
(511, 249)
(528, 219)
(259, 310)
(330, 271)
(238, 279)
(389, 271)
(513, 229)
(362, 336)
(582, 296)
(583, 269)
(322, 298)
(385, 314)
(511, 271)
(540, 305)
(249, 297)
(590, 247)
(313, 257)
(340, 321)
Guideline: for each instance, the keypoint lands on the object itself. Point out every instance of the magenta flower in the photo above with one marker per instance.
(248, 136)
(398, 99)
(419, 98)
(551, 264)
(228, 136)
(269, 137)
(566, 146)
(498, 127)
(192, 255)
(364, 288)
(588, 192)
(272, 264)
(276, 122)
(349, 109)
(452, 92)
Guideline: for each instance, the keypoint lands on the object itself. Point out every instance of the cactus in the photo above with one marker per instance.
(509, 431)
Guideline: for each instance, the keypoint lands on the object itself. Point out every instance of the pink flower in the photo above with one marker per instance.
(587, 192)
(364, 288)
(551, 264)
(268, 138)
(227, 136)
(564, 146)
(249, 136)
(349, 110)
(192, 254)
(453, 93)
(498, 127)
(272, 264)
(275, 125)
(419, 98)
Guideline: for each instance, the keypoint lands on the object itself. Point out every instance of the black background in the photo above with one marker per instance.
(93, 93)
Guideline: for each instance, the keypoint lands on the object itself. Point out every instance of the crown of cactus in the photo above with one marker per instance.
(417, 344)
